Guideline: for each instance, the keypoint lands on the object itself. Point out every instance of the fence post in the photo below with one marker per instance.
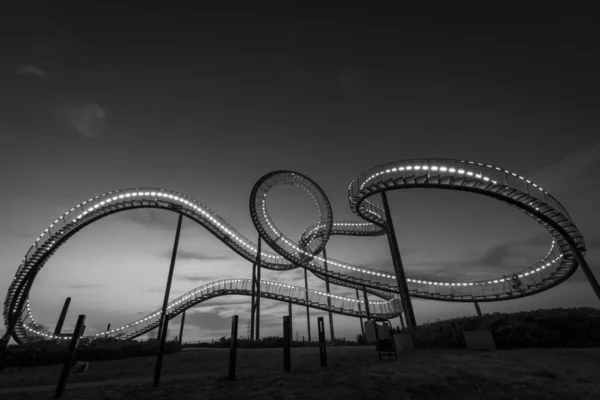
(233, 346)
(322, 345)
(64, 374)
(286, 344)
(61, 318)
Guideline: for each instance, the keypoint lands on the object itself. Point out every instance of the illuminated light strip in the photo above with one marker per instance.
(102, 203)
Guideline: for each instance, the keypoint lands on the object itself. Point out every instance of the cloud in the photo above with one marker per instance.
(184, 255)
(85, 286)
(208, 320)
(501, 259)
(30, 69)
(194, 278)
(88, 120)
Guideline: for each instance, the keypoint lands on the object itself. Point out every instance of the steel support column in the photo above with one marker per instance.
(253, 300)
(257, 302)
(477, 308)
(366, 303)
(328, 298)
(398, 267)
(362, 327)
(586, 269)
(163, 314)
(307, 307)
(61, 318)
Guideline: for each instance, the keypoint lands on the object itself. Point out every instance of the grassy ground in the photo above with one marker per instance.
(353, 373)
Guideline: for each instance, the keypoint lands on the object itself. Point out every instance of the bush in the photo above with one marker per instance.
(558, 327)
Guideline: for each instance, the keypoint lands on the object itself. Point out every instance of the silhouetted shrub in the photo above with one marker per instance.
(558, 327)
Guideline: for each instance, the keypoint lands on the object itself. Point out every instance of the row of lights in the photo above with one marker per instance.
(451, 170)
(383, 275)
(243, 243)
(193, 293)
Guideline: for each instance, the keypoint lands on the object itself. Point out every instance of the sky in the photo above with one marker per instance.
(205, 102)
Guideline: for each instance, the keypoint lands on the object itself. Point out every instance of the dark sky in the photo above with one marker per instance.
(99, 97)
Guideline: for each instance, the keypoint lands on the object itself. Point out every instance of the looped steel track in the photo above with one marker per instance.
(556, 266)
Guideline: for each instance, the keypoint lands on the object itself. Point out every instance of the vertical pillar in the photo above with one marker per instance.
(164, 320)
(257, 303)
(252, 305)
(328, 298)
(66, 369)
(398, 267)
(291, 326)
(362, 327)
(286, 343)
(307, 307)
(322, 345)
(233, 347)
(366, 303)
(181, 328)
(63, 315)
(585, 267)
(477, 308)
(401, 321)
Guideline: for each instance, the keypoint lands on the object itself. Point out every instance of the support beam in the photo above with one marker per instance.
(401, 321)
(164, 321)
(307, 307)
(290, 318)
(366, 303)
(585, 268)
(398, 267)
(253, 295)
(258, 289)
(181, 328)
(328, 298)
(362, 326)
(477, 308)
(61, 318)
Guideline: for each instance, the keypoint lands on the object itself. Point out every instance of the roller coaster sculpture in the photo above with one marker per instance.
(565, 252)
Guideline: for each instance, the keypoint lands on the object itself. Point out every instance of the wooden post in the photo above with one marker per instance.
(164, 319)
(322, 344)
(233, 347)
(291, 324)
(61, 318)
(66, 369)
(181, 328)
(286, 344)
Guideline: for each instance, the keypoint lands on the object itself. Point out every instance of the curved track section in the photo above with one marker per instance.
(488, 180)
(556, 266)
(270, 290)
